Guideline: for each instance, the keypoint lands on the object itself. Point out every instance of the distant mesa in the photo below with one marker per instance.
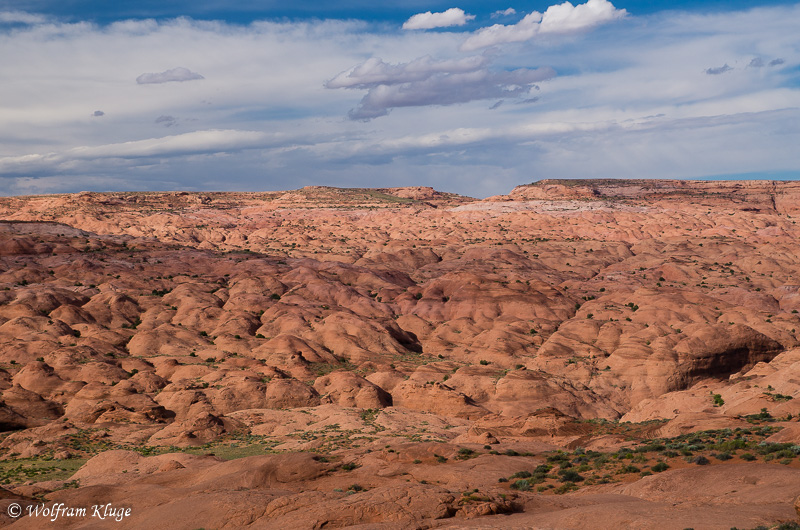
(749, 195)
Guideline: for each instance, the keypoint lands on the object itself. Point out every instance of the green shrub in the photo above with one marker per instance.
(521, 485)
(566, 487)
(660, 466)
(465, 453)
(570, 475)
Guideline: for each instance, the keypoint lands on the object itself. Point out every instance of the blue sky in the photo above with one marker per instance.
(245, 12)
(472, 97)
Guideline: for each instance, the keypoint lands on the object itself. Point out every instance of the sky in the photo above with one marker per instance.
(472, 97)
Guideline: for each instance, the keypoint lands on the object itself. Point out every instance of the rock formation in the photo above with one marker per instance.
(569, 355)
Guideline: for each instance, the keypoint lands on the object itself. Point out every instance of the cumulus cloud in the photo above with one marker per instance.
(719, 69)
(525, 29)
(426, 81)
(561, 18)
(504, 13)
(452, 17)
(169, 76)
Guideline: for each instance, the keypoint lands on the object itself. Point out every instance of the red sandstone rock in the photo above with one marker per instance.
(399, 332)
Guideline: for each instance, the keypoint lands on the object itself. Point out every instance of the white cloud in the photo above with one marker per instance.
(213, 140)
(172, 75)
(21, 17)
(374, 71)
(452, 17)
(504, 13)
(561, 18)
(525, 29)
(564, 18)
(208, 141)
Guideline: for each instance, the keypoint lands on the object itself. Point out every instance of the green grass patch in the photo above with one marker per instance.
(38, 469)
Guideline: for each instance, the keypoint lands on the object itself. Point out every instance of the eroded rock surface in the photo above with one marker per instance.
(383, 357)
